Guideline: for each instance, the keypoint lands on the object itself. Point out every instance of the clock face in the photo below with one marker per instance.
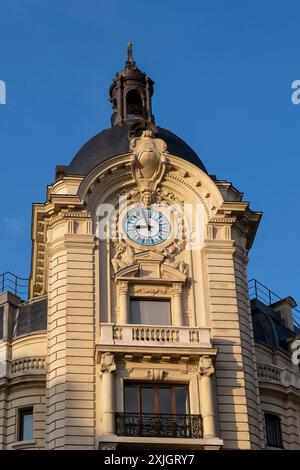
(147, 227)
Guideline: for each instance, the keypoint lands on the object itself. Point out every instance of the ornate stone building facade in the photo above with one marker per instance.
(139, 331)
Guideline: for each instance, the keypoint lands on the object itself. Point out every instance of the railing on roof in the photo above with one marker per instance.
(260, 292)
(15, 284)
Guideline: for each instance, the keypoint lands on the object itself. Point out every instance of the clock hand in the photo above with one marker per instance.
(146, 218)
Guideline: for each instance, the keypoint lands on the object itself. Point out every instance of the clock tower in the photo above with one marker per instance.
(145, 268)
(141, 256)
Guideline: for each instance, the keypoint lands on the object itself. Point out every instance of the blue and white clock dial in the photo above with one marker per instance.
(147, 227)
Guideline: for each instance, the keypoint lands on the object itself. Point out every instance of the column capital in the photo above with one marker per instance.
(107, 363)
(176, 288)
(206, 367)
(123, 287)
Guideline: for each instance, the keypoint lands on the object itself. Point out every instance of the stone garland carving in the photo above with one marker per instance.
(153, 290)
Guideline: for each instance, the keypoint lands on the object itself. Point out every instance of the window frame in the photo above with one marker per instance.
(156, 386)
(151, 299)
(272, 419)
(28, 410)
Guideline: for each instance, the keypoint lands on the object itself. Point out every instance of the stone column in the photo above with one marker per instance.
(206, 371)
(107, 368)
(123, 302)
(177, 313)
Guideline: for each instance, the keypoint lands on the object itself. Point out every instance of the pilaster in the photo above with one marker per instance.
(70, 400)
(229, 364)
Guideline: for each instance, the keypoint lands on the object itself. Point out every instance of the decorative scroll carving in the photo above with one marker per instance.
(206, 367)
(159, 425)
(107, 364)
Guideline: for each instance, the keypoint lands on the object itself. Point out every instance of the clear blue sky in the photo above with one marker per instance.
(223, 73)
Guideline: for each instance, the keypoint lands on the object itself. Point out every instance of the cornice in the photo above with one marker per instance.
(23, 383)
(155, 353)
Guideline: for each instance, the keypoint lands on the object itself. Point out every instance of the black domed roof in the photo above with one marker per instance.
(115, 141)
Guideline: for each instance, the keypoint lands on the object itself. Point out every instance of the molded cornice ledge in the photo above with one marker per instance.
(242, 213)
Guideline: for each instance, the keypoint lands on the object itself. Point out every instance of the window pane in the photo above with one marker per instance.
(150, 312)
(26, 425)
(165, 404)
(273, 430)
(131, 402)
(182, 400)
(147, 400)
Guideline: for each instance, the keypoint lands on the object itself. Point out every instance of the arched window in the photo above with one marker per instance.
(134, 104)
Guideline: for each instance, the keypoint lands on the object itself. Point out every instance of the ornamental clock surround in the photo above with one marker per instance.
(147, 227)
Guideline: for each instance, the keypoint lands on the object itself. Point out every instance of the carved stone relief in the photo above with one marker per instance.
(148, 162)
(206, 367)
(149, 290)
(107, 364)
(171, 253)
(124, 256)
(157, 374)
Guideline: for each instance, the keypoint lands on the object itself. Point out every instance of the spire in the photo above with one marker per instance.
(130, 62)
(130, 93)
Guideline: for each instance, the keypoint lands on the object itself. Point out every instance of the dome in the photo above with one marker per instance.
(115, 141)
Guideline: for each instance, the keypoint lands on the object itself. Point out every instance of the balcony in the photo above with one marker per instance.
(182, 426)
(269, 373)
(152, 335)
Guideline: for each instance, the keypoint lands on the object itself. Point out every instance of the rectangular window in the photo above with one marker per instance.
(273, 430)
(158, 398)
(150, 312)
(157, 410)
(25, 424)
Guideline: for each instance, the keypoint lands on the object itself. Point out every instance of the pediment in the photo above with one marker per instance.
(128, 272)
(172, 274)
(154, 272)
(149, 256)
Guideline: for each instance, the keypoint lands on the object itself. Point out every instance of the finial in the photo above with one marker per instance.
(130, 60)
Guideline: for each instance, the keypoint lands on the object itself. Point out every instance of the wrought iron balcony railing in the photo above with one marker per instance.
(159, 425)
(260, 292)
(15, 284)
